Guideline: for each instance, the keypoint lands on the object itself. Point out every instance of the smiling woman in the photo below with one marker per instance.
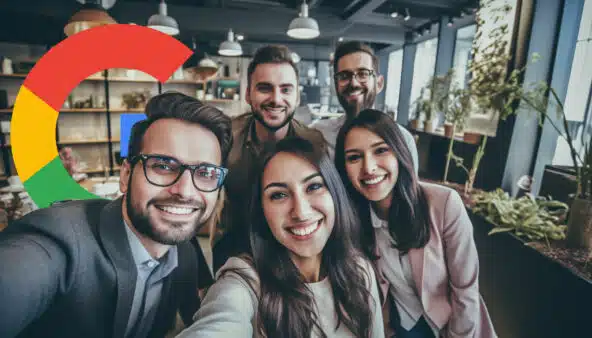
(303, 259)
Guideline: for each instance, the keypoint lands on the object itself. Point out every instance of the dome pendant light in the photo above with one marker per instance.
(303, 27)
(92, 14)
(230, 47)
(163, 22)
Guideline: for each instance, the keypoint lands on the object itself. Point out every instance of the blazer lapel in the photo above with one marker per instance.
(416, 259)
(114, 239)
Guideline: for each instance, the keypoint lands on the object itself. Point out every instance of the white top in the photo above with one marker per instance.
(330, 129)
(397, 270)
(229, 306)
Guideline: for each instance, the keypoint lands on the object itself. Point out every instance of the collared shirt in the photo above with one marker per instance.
(151, 274)
(330, 129)
(397, 270)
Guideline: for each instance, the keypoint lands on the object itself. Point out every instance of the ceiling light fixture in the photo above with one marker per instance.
(303, 27)
(230, 47)
(394, 14)
(91, 14)
(450, 22)
(407, 16)
(163, 22)
(295, 57)
(240, 37)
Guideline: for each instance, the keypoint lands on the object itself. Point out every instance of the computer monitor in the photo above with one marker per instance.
(127, 121)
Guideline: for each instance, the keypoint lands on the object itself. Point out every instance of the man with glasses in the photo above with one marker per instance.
(357, 83)
(122, 268)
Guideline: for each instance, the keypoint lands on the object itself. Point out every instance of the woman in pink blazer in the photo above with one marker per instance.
(418, 234)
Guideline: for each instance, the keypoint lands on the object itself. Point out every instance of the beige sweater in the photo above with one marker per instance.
(230, 305)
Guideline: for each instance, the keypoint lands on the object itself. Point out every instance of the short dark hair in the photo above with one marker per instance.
(350, 47)
(183, 107)
(271, 54)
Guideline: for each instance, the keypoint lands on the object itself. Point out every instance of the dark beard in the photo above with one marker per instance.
(353, 109)
(141, 222)
(259, 117)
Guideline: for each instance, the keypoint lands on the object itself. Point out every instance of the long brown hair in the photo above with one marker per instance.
(408, 219)
(286, 306)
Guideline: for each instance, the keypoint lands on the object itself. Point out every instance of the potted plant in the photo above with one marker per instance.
(542, 98)
(459, 105)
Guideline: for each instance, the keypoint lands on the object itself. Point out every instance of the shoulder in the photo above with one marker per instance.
(65, 217)
(239, 269)
(332, 124)
(440, 195)
(240, 122)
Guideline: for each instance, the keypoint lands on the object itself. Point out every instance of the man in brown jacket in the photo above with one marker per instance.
(273, 94)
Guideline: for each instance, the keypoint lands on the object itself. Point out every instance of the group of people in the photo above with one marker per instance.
(318, 231)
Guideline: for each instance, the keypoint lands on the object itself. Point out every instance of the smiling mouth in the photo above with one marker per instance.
(373, 181)
(176, 210)
(305, 232)
(274, 110)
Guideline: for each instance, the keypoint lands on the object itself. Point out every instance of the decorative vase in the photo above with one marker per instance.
(579, 226)
(429, 126)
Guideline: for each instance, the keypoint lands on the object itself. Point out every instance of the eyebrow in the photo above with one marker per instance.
(268, 84)
(284, 185)
(373, 145)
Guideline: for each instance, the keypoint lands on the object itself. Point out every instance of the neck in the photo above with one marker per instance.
(264, 135)
(381, 208)
(310, 268)
(155, 249)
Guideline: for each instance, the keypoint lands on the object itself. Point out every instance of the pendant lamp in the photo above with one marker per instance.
(90, 15)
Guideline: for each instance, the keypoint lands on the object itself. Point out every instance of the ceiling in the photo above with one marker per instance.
(260, 21)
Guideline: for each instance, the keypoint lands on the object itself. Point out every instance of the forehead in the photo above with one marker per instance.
(354, 61)
(190, 143)
(287, 168)
(274, 73)
(361, 138)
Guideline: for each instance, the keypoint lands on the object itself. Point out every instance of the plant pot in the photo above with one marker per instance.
(449, 130)
(429, 126)
(414, 124)
(473, 138)
(579, 226)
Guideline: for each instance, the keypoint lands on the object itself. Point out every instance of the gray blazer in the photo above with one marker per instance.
(67, 271)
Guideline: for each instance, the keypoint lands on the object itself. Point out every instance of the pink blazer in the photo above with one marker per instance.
(446, 270)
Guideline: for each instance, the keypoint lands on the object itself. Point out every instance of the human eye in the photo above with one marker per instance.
(314, 186)
(364, 74)
(382, 150)
(353, 158)
(343, 76)
(277, 195)
(287, 90)
(264, 88)
(162, 164)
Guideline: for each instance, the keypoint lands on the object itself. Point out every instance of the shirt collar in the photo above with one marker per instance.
(142, 257)
(376, 221)
(252, 134)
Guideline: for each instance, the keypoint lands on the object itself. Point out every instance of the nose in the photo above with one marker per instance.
(354, 81)
(184, 187)
(369, 164)
(301, 208)
(276, 96)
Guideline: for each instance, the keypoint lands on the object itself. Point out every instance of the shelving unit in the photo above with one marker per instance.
(93, 133)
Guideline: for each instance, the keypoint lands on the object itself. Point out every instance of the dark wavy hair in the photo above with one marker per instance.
(408, 219)
(286, 307)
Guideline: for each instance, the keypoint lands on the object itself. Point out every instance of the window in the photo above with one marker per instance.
(578, 105)
(393, 80)
(462, 54)
(423, 68)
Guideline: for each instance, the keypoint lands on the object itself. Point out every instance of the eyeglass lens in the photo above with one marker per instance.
(162, 171)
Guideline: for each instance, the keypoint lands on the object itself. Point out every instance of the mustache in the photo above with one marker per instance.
(180, 202)
(351, 89)
(272, 105)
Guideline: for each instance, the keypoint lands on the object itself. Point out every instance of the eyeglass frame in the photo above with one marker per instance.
(191, 167)
(355, 74)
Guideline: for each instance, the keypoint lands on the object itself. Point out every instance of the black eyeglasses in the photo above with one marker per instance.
(362, 75)
(164, 171)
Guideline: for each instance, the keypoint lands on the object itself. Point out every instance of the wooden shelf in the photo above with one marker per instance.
(6, 111)
(93, 171)
(126, 110)
(83, 110)
(220, 100)
(83, 141)
(15, 76)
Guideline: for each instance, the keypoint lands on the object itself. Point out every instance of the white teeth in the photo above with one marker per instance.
(305, 231)
(177, 210)
(274, 110)
(374, 180)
